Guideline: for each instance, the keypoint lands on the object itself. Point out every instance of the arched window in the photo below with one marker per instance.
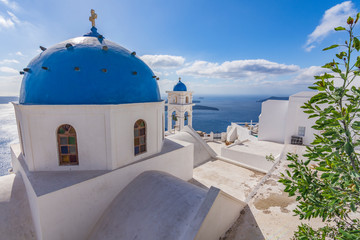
(67, 144)
(139, 137)
(175, 100)
(187, 99)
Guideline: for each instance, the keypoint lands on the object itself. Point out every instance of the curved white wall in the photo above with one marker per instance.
(272, 120)
(280, 119)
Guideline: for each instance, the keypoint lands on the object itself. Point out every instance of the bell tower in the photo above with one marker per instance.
(179, 107)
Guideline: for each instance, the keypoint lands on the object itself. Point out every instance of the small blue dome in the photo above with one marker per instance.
(88, 70)
(180, 87)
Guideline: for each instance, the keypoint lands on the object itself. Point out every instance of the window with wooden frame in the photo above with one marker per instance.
(67, 144)
(139, 137)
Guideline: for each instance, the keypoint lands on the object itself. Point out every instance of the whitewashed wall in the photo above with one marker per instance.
(272, 120)
(105, 134)
(279, 119)
(296, 118)
(250, 160)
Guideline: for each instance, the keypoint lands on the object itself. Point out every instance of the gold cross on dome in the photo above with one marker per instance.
(93, 17)
(179, 78)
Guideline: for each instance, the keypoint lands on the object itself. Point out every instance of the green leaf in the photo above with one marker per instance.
(325, 175)
(339, 28)
(331, 47)
(357, 63)
(323, 169)
(348, 148)
(356, 125)
(352, 207)
(309, 111)
(336, 70)
(356, 44)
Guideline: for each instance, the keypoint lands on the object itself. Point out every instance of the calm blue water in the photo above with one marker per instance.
(231, 109)
(8, 132)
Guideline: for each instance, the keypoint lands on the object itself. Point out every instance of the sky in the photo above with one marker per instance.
(227, 47)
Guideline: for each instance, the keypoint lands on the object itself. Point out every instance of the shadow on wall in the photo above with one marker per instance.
(244, 228)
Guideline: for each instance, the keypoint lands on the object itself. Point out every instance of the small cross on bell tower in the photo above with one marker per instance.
(93, 17)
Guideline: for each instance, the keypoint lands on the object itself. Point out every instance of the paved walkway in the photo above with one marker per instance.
(269, 212)
(232, 179)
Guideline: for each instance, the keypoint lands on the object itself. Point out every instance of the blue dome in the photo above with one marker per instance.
(180, 87)
(88, 70)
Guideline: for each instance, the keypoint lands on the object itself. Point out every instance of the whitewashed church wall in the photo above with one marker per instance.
(122, 122)
(80, 206)
(105, 134)
(42, 122)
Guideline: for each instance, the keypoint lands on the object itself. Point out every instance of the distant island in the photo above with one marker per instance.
(273, 98)
(200, 107)
(196, 101)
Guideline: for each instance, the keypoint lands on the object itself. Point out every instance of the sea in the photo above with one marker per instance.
(228, 109)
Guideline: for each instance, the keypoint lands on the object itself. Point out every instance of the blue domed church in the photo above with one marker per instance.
(93, 157)
(87, 96)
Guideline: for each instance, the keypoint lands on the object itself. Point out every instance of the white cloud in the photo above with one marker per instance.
(10, 4)
(8, 70)
(6, 22)
(9, 22)
(237, 69)
(13, 17)
(333, 17)
(163, 61)
(166, 84)
(10, 85)
(306, 75)
(8, 61)
(19, 53)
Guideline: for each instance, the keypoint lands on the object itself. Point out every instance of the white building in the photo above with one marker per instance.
(280, 120)
(92, 150)
(179, 107)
